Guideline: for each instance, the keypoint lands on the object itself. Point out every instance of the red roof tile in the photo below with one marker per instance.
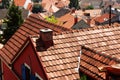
(60, 60)
(29, 7)
(19, 2)
(103, 18)
(67, 20)
(31, 26)
(63, 55)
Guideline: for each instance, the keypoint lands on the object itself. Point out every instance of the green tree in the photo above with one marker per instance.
(89, 7)
(37, 8)
(36, 1)
(6, 3)
(13, 21)
(83, 77)
(51, 19)
(74, 4)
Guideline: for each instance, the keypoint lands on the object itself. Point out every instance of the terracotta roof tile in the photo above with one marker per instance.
(67, 20)
(29, 7)
(101, 48)
(104, 17)
(31, 26)
(19, 2)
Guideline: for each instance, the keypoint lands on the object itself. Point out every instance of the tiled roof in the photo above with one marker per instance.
(67, 20)
(61, 12)
(62, 3)
(80, 25)
(94, 3)
(19, 2)
(59, 4)
(103, 18)
(91, 60)
(29, 7)
(102, 49)
(31, 26)
(27, 4)
(49, 7)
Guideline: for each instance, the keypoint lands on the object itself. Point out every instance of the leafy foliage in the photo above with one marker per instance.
(89, 7)
(36, 0)
(83, 77)
(5, 3)
(51, 19)
(13, 21)
(37, 8)
(74, 4)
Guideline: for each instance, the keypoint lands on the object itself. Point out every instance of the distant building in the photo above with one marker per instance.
(95, 3)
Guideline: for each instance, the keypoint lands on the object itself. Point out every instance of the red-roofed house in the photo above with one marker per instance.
(59, 59)
(58, 54)
(55, 56)
(18, 42)
(7, 73)
(27, 4)
(19, 2)
(104, 19)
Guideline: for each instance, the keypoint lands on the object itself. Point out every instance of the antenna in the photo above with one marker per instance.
(110, 13)
(79, 56)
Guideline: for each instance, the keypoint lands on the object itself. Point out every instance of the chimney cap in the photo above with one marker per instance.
(46, 30)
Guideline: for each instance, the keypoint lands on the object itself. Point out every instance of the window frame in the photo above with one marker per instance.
(26, 66)
(38, 76)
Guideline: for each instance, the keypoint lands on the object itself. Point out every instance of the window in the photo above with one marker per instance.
(37, 77)
(114, 77)
(25, 72)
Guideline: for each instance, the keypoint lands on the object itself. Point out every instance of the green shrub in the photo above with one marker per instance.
(89, 7)
(51, 19)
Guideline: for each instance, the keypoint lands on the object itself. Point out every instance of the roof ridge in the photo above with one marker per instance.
(87, 29)
(55, 25)
(101, 53)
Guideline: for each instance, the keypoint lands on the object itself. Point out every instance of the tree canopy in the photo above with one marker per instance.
(89, 7)
(36, 0)
(13, 21)
(37, 8)
(74, 4)
(51, 19)
(5, 3)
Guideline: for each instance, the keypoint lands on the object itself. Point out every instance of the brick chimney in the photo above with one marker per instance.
(87, 15)
(46, 36)
(72, 10)
(75, 19)
(88, 21)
